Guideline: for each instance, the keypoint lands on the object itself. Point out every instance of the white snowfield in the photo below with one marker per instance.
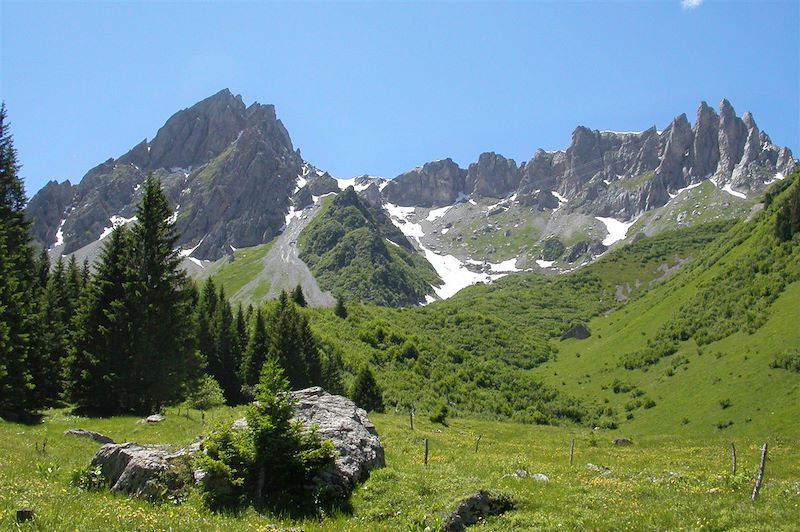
(690, 187)
(727, 188)
(59, 235)
(116, 221)
(616, 229)
(454, 274)
(188, 252)
(544, 263)
(561, 199)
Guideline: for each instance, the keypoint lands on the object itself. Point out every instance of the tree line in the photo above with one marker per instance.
(135, 333)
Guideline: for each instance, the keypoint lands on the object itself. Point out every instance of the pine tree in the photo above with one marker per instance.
(297, 296)
(43, 268)
(55, 342)
(100, 355)
(340, 310)
(332, 369)
(206, 308)
(366, 392)
(20, 289)
(165, 358)
(241, 331)
(293, 345)
(256, 352)
(226, 343)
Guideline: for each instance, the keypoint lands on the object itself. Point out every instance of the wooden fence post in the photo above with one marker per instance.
(571, 450)
(733, 459)
(411, 418)
(477, 442)
(760, 476)
(426, 452)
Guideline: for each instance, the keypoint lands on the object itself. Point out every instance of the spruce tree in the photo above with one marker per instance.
(293, 345)
(56, 310)
(340, 310)
(256, 352)
(241, 331)
(43, 268)
(98, 377)
(20, 289)
(206, 308)
(366, 392)
(226, 344)
(297, 296)
(165, 359)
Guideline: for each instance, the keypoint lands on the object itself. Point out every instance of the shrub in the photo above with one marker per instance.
(89, 479)
(271, 462)
(440, 415)
(789, 359)
(206, 395)
(366, 392)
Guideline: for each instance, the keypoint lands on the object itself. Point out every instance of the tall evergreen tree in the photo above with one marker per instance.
(241, 330)
(206, 308)
(43, 267)
(256, 352)
(366, 392)
(20, 289)
(298, 297)
(293, 345)
(226, 348)
(340, 310)
(56, 310)
(165, 358)
(100, 354)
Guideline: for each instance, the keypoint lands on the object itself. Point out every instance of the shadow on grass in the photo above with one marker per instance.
(25, 418)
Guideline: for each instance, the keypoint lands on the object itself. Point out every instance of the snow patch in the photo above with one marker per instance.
(196, 261)
(507, 266)
(116, 221)
(395, 244)
(777, 177)
(233, 249)
(561, 199)
(544, 263)
(187, 253)
(616, 229)
(727, 188)
(438, 213)
(690, 187)
(174, 216)
(59, 234)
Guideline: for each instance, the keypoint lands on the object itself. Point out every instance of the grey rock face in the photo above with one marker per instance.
(732, 138)
(705, 146)
(477, 506)
(320, 185)
(94, 436)
(47, 208)
(135, 469)
(435, 184)
(353, 435)
(493, 176)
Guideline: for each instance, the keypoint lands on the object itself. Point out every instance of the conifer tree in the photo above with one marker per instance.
(332, 369)
(55, 330)
(43, 268)
(293, 345)
(340, 310)
(366, 392)
(206, 308)
(256, 352)
(165, 357)
(20, 289)
(228, 359)
(297, 296)
(100, 355)
(241, 331)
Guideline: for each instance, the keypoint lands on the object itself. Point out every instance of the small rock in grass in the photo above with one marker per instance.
(477, 506)
(24, 514)
(155, 418)
(540, 477)
(94, 436)
(598, 468)
(622, 442)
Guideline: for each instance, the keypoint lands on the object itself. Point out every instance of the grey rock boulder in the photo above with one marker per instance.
(137, 469)
(94, 436)
(434, 184)
(474, 508)
(353, 435)
(492, 176)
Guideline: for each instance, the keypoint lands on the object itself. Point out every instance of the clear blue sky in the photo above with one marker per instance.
(380, 88)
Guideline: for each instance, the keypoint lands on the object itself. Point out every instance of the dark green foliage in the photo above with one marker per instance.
(789, 359)
(552, 249)
(21, 353)
(787, 222)
(297, 296)
(89, 479)
(101, 349)
(134, 346)
(340, 310)
(293, 346)
(219, 340)
(272, 462)
(256, 352)
(206, 394)
(346, 248)
(332, 369)
(440, 415)
(366, 392)
(57, 310)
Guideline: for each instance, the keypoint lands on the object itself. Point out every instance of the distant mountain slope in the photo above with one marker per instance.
(355, 252)
(698, 353)
(236, 181)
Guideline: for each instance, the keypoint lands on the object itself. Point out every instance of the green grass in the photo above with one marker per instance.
(659, 483)
(247, 264)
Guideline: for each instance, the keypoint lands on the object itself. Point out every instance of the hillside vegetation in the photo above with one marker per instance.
(356, 253)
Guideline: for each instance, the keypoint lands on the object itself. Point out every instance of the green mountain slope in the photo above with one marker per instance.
(694, 355)
(355, 253)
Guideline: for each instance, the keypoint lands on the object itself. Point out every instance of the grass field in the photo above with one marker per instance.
(659, 483)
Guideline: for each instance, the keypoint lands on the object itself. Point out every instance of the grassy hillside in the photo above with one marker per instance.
(660, 483)
(477, 351)
(349, 250)
(696, 354)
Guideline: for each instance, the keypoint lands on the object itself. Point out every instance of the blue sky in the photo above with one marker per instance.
(382, 87)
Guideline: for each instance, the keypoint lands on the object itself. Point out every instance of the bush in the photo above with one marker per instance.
(440, 415)
(89, 479)
(366, 392)
(789, 359)
(272, 462)
(206, 395)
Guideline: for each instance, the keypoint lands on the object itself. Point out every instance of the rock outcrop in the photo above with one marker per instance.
(474, 508)
(353, 435)
(94, 436)
(493, 176)
(434, 184)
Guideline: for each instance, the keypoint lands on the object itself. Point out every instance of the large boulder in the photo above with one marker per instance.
(138, 469)
(94, 436)
(347, 426)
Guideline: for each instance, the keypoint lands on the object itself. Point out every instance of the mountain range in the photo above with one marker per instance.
(236, 181)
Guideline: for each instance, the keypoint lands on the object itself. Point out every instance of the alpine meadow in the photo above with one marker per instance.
(208, 331)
